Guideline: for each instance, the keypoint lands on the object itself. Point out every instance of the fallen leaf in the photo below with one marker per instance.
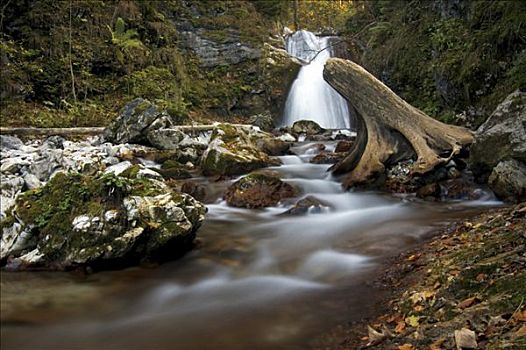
(520, 333)
(412, 321)
(413, 257)
(520, 316)
(464, 304)
(437, 344)
(418, 308)
(465, 339)
(481, 277)
(406, 346)
(375, 337)
(400, 326)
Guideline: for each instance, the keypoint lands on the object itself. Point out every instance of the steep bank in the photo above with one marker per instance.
(454, 59)
(76, 63)
(468, 280)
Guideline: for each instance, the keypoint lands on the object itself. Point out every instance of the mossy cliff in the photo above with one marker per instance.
(446, 57)
(76, 63)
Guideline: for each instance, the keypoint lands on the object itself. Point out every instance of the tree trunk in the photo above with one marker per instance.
(389, 129)
(295, 6)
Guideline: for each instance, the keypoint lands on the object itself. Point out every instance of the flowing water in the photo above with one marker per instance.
(258, 280)
(310, 97)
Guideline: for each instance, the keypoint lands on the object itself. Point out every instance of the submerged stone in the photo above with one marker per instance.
(258, 190)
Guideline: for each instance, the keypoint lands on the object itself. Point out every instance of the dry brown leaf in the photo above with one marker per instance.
(400, 326)
(464, 304)
(481, 277)
(520, 333)
(406, 346)
(437, 344)
(413, 257)
(520, 315)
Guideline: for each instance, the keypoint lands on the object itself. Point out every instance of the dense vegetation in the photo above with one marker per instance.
(68, 63)
(76, 63)
(445, 56)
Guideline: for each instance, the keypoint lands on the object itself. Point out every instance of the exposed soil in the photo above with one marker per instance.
(466, 285)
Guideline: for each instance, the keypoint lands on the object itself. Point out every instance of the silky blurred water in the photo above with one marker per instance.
(310, 97)
(258, 279)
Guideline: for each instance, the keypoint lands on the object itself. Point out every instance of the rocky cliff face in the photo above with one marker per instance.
(205, 59)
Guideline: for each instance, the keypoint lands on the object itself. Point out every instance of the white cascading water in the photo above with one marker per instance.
(310, 97)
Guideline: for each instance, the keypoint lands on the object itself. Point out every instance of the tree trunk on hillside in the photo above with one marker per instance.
(389, 129)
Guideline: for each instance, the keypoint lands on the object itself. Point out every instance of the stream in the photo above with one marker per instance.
(258, 279)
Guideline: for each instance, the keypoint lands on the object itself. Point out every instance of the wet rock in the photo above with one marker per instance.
(287, 138)
(132, 123)
(461, 188)
(502, 137)
(429, 192)
(327, 157)
(307, 127)
(173, 170)
(343, 146)
(307, 205)
(232, 151)
(165, 139)
(263, 121)
(273, 146)
(194, 189)
(258, 190)
(103, 222)
(118, 168)
(508, 180)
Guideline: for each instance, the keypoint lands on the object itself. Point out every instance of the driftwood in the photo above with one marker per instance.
(93, 130)
(50, 131)
(389, 129)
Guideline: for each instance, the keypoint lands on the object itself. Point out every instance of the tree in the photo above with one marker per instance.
(389, 129)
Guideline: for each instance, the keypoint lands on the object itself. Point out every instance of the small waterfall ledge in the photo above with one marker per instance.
(310, 97)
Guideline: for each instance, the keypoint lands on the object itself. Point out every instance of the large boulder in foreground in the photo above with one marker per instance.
(235, 150)
(109, 221)
(258, 190)
(501, 142)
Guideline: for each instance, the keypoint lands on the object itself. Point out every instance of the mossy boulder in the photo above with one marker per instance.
(233, 151)
(103, 222)
(307, 127)
(502, 137)
(258, 190)
(172, 169)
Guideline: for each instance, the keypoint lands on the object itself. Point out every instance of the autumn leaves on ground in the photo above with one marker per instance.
(465, 289)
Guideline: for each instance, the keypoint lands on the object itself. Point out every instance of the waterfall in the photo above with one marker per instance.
(310, 97)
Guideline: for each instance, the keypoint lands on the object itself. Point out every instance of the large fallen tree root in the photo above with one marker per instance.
(389, 129)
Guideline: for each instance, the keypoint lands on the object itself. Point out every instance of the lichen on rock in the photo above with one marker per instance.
(106, 221)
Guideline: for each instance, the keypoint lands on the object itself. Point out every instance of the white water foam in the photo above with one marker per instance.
(310, 97)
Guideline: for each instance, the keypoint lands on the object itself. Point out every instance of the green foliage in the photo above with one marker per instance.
(443, 62)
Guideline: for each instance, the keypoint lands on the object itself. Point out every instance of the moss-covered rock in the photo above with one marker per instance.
(258, 190)
(307, 127)
(232, 151)
(107, 221)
